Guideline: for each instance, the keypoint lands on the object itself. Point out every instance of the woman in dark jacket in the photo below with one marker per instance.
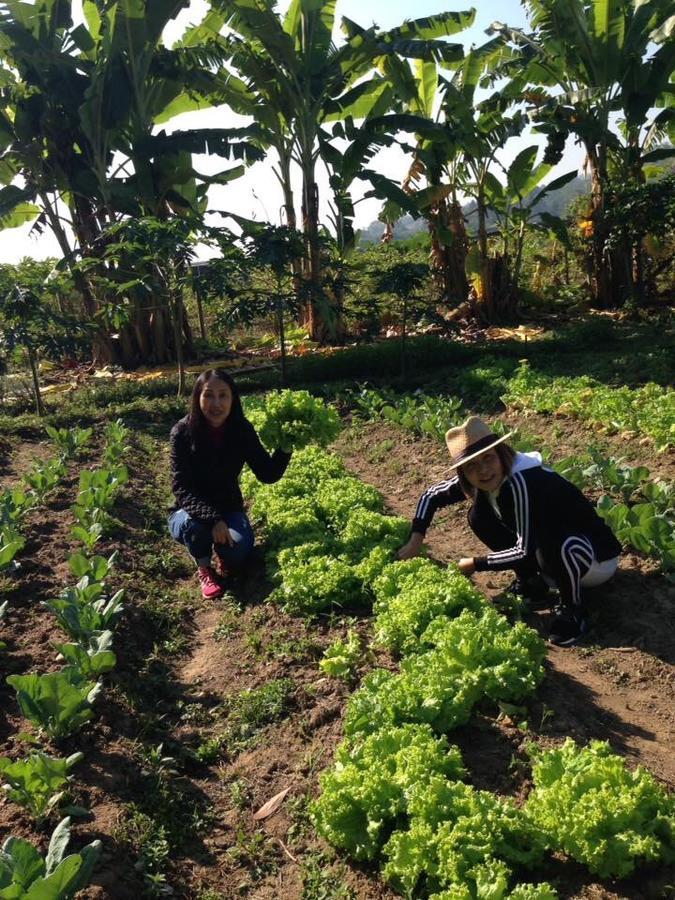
(209, 448)
(534, 520)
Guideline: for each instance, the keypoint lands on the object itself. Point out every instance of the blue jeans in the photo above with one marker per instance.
(195, 534)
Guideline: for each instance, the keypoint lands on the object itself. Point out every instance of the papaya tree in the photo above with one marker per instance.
(275, 248)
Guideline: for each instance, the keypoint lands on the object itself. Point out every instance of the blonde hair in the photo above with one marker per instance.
(506, 455)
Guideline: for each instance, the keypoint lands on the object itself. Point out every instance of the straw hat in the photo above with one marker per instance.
(470, 440)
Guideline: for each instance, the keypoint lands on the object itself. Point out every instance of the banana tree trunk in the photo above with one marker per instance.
(517, 266)
(486, 291)
(610, 269)
(151, 337)
(600, 280)
(284, 176)
(177, 316)
(456, 284)
(102, 349)
(317, 325)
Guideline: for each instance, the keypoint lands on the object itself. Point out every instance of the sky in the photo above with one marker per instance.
(257, 194)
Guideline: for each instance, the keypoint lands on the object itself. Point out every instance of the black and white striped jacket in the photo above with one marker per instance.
(539, 506)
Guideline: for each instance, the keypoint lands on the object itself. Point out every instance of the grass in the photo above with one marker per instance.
(255, 852)
(282, 643)
(147, 840)
(324, 879)
(229, 622)
(248, 713)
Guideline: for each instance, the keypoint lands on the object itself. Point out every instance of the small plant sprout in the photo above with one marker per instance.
(95, 569)
(58, 703)
(11, 543)
(70, 441)
(89, 662)
(44, 477)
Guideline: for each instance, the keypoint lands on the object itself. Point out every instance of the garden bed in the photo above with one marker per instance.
(214, 708)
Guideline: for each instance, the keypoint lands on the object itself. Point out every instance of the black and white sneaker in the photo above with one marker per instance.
(567, 629)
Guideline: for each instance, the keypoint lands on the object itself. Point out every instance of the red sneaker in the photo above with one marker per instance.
(210, 586)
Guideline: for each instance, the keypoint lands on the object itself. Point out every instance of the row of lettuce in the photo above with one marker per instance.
(58, 703)
(398, 791)
(638, 507)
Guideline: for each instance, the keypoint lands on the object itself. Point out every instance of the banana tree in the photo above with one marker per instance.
(514, 203)
(84, 97)
(437, 159)
(415, 80)
(137, 83)
(457, 155)
(324, 83)
(39, 125)
(431, 183)
(579, 65)
(456, 150)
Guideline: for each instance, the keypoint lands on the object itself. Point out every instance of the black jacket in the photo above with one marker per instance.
(539, 506)
(205, 475)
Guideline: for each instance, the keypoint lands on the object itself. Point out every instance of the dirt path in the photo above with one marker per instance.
(241, 646)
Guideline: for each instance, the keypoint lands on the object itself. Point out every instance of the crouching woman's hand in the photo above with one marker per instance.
(413, 547)
(221, 534)
(466, 565)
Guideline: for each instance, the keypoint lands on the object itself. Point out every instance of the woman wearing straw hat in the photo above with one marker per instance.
(533, 520)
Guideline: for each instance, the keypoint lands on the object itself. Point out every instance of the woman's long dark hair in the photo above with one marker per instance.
(196, 420)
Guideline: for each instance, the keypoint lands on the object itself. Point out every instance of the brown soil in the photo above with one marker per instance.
(176, 688)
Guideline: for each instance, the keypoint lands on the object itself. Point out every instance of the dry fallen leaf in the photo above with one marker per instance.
(271, 806)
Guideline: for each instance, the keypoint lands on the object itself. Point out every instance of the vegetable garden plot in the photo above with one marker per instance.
(263, 693)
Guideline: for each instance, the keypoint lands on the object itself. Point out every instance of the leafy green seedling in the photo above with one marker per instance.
(24, 873)
(84, 610)
(95, 569)
(92, 661)
(37, 782)
(88, 535)
(11, 543)
(116, 434)
(643, 527)
(57, 702)
(70, 441)
(44, 478)
(13, 504)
